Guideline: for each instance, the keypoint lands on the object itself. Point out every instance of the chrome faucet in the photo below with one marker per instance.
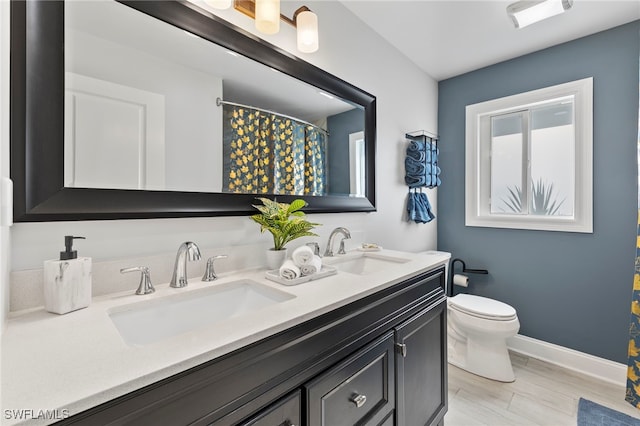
(187, 250)
(345, 233)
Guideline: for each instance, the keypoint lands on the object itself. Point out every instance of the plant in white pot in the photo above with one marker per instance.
(285, 222)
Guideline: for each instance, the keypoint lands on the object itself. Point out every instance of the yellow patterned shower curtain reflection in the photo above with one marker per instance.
(265, 153)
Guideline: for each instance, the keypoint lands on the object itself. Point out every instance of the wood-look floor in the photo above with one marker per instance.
(543, 394)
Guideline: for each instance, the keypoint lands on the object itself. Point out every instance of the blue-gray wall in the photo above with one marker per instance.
(569, 289)
(340, 126)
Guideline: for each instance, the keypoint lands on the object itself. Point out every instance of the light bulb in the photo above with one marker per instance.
(307, 31)
(268, 16)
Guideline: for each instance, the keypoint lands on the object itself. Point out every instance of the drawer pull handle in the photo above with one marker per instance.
(359, 400)
(402, 348)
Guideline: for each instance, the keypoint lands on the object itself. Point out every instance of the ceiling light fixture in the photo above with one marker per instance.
(527, 12)
(267, 16)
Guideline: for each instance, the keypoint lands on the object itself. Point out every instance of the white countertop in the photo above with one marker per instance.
(68, 363)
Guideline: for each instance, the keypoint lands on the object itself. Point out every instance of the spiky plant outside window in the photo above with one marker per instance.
(285, 222)
(543, 199)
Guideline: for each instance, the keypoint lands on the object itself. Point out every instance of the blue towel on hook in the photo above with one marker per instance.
(419, 208)
(411, 205)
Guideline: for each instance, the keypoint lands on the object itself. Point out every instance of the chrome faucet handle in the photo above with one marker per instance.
(145, 286)
(315, 247)
(341, 249)
(209, 272)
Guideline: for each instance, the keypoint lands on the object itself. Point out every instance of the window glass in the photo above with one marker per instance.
(552, 159)
(507, 173)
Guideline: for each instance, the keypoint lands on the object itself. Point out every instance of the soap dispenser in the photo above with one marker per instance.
(67, 281)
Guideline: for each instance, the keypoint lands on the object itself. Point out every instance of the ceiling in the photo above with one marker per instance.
(448, 37)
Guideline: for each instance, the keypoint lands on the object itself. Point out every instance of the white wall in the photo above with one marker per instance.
(406, 99)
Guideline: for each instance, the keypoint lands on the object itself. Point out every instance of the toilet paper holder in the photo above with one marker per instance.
(464, 270)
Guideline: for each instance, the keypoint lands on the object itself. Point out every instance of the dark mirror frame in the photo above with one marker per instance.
(37, 122)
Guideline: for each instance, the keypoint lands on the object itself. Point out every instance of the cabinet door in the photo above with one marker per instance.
(286, 412)
(389, 420)
(421, 368)
(357, 391)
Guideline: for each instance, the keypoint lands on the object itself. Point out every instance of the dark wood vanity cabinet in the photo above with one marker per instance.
(421, 368)
(379, 361)
(285, 412)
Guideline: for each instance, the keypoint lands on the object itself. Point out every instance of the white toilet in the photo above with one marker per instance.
(478, 329)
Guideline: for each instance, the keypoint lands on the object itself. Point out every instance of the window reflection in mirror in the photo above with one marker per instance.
(141, 112)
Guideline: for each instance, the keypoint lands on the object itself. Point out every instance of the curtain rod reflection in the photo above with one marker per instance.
(220, 102)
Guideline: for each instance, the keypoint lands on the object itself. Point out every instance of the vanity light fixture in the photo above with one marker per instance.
(527, 12)
(267, 16)
(219, 4)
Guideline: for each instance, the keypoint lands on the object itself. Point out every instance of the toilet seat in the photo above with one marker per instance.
(482, 307)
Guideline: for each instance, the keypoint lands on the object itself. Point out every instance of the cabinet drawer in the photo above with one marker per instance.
(358, 391)
(286, 412)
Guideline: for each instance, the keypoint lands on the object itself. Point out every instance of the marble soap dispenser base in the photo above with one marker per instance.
(67, 285)
(67, 281)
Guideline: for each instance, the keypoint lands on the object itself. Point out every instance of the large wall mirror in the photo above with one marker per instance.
(160, 109)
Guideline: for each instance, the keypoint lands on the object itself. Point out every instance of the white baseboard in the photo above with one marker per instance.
(604, 369)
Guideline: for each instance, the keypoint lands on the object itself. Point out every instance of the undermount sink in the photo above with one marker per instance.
(364, 263)
(150, 321)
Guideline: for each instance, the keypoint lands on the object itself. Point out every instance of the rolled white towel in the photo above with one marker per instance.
(312, 267)
(289, 270)
(302, 255)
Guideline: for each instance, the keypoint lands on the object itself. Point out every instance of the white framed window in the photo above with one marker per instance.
(529, 160)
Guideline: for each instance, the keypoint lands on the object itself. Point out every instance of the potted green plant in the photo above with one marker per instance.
(285, 222)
